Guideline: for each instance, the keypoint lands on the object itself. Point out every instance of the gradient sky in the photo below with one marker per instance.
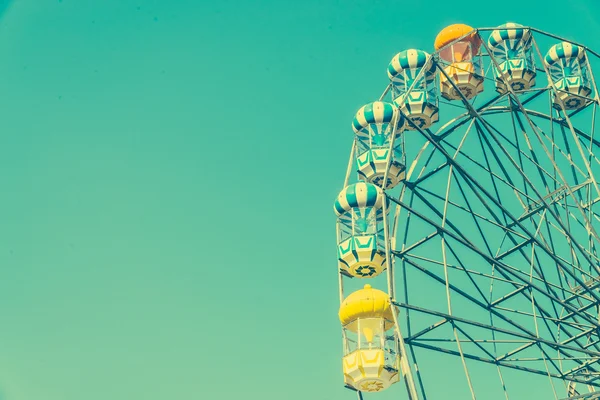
(168, 170)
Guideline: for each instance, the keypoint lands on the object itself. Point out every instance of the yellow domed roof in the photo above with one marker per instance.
(366, 303)
(453, 32)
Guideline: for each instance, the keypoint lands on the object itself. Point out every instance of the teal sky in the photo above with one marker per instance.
(167, 173)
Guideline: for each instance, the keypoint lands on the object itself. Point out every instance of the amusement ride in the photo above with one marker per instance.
(466, 227)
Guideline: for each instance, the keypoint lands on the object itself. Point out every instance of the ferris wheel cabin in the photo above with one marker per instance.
(458, 46)
(569, 72)
(412, 75)
(371, 361)
(375, 125)
(361, 245)
(510, 45)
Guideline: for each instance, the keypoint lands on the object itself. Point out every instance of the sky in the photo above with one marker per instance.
(168, 170)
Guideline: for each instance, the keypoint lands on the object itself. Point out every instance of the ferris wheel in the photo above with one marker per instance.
(468, 223)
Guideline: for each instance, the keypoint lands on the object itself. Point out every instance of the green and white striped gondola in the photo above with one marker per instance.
(374, 126)
(361, 245)
(420, 105)
(568, 70)
(510, 45)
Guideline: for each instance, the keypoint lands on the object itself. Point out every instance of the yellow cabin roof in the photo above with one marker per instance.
(451, 33)
(366, 303)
